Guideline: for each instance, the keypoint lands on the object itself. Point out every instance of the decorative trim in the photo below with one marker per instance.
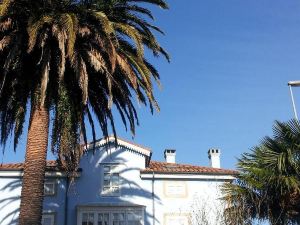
(121, 142)
(174, 215)
(166, 184)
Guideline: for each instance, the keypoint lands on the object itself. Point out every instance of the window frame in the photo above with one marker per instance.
(51, 215)
(54, 183)
(176, 216)
(111, 173)
(168, 185)
(110, 210)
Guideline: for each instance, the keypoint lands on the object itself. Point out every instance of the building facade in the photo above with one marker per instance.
(121, 185)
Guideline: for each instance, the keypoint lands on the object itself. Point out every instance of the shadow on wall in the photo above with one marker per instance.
(9, 200)
(134, 191)
(87, 189)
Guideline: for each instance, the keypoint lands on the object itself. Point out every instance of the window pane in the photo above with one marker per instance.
(84, 217)
(106, 176)
(106, 190)
(115, 190)
(134, 216)
(87, 218)
(91, 219)
(111, 180)
(106, 182)
(100, 218)
(49, 188)
(121, 216)
(115, 179)
(115, 216)
(106, 169)
(105, 218)
(130, 216)
(46, 221)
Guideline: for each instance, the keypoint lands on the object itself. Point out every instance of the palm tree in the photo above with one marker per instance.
(70, 62)
(268, 186)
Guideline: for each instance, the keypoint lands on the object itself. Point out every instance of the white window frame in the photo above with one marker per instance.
(111, 188)
(49, 215)
(177, 216)
(110, 210)
(53, 190)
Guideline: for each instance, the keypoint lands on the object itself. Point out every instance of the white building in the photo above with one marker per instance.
(123, 186)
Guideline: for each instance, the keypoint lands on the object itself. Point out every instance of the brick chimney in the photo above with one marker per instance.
(214, 157)
(170, 155)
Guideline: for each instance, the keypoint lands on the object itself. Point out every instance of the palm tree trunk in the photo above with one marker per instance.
(34, 168)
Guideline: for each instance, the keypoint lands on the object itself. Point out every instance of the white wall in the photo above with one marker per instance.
(10, 191)
(199, 201)
(179, 198)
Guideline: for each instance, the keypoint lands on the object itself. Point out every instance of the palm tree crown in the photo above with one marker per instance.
(76, 58)
(268, 187)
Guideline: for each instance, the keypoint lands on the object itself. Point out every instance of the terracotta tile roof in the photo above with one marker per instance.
(154, 166)
(51, 165)
(163, 167)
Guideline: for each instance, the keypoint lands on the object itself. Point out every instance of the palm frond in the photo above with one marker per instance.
(269, 176)
(76, 59)
(4, 6)
(69, 23)
(34, 27)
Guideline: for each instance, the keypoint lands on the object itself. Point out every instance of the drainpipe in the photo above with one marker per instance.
(153, 200)
(66, 200)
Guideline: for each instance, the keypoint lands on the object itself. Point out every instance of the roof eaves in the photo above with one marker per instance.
(188, 173)
(121, 142)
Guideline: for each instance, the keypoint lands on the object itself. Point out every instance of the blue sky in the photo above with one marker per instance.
(227, 80)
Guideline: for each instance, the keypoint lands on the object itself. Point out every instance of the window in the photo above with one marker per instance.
(176, 219)
(134, 218)
(103, 218)
(111, 216)
(49, 187)
(111, 180)
(48, 219)
(175, 189)
(118, 218)
(88, 219)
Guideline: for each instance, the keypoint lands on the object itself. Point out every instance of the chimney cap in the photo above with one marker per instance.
(214, 151)
(170, 155)
(214, 157)
(170, 151)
